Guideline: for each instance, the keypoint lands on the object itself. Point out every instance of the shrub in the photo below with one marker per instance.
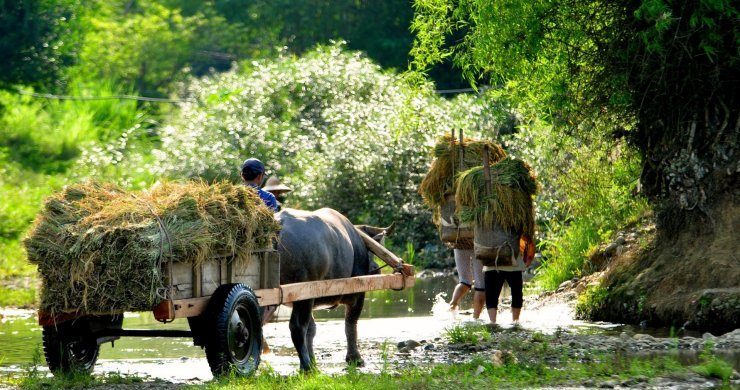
(333, 125)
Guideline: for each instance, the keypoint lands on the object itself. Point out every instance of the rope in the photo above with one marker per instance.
(459, 90)
(403, 279)
(111, 97)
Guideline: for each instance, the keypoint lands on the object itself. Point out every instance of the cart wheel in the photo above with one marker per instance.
(235, 337)
(67, 349)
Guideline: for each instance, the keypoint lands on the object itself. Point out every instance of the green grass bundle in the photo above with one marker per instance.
(510, 202)
(440, 180)
(100, 249)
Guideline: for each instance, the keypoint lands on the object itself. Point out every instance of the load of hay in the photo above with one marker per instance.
(100, 249)
(510, 201)
(440, 180)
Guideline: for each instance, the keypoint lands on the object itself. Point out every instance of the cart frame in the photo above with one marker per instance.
(220, 288)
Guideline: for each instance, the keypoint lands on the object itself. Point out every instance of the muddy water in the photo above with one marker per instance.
(389, 317)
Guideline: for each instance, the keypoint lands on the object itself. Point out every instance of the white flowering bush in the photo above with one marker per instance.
(334, 126)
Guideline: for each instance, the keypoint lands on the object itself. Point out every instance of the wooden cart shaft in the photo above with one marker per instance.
(288, 293)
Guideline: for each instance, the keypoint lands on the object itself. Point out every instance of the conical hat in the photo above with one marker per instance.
(273, 184)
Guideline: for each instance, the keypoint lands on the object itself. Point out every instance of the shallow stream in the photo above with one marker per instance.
(388, 318)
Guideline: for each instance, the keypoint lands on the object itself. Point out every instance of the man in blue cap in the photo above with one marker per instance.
(253, 173)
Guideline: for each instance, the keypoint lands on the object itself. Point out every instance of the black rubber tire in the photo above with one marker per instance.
(67, 349)
(234, 341)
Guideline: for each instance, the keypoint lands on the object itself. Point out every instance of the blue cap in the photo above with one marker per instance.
(253, 164)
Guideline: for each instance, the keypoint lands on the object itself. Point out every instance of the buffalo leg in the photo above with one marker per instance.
(351, 315)
(299, 321)
(310, 333)
(267, 315)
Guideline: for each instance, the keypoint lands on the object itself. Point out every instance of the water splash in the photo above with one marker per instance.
(441, 308)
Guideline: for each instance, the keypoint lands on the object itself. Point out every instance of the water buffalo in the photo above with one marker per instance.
(321, 245)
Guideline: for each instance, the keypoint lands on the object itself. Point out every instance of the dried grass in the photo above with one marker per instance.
(440, 180)
(510, 203)
(100, 249)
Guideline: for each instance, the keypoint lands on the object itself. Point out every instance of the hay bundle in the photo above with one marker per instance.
(509, 204)
(100, 249)
(440, 180)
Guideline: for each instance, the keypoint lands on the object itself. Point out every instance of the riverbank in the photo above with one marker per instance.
(687, 280)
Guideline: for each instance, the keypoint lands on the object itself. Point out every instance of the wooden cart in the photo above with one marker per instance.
(222, 300)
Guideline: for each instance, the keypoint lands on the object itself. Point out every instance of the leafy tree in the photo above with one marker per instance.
(378, 28)
(660, 72)
(151, 44)
(37, 40)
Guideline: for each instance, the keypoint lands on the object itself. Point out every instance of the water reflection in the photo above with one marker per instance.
(416, 301)
(21, 336)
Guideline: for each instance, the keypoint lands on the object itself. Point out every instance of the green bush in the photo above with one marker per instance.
(590, 301)
(333, 125)
(46, 135)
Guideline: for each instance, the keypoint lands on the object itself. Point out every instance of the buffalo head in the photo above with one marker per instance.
(377, 233)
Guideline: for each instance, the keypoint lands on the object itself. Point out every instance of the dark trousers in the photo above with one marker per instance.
(494, 283)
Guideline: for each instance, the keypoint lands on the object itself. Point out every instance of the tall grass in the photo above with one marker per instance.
(587, 184)
(600, 203)
(47, 134)
(39, 142)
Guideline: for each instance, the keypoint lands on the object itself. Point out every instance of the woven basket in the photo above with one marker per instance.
(459, 235)
(496, 246)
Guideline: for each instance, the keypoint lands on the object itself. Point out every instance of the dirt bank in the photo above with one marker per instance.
(691, 280)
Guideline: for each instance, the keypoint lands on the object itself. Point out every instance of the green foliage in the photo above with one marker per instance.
(468, 334)
(592, 300)
(714, 367)
(17, 297)
(566, 251)
(152, 44)
(410, 255)
(46, 135)
(331, 124)
(22, 192)
(38, 39)
(586, 180)
(379, 28)
(659, 71)
(542, 53)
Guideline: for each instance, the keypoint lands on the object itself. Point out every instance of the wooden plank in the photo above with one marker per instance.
(326, 288)
(190, 307)
(211, 277)
(222, 270)
(230, 270)
(182, 274)
(182, 308)
(273, 278)
(384, 254)
(197, 281)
